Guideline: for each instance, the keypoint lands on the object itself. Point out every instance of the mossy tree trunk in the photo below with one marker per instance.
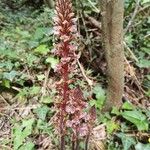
(112, 27)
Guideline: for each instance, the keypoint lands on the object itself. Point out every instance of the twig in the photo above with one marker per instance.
(143, 8)
(96, 23)
(8, 104)
(90, 82)
(6, 147)
(21, 108)
(147, 36)
(4, 100)
(133, 16)
(45, 82)
(138, 134)
(126, 46)
(136, 81)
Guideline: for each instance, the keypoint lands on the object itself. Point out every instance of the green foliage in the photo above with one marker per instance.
(25, 54)
(28, 92)
(128, 106)
(24, 43)
(44, 127)
(141, 146)
(42, 49)
(112, 126)
(137, 118)
(126, 141)
(100, 97)
(52, 61)
(42, 112)
(20, 134)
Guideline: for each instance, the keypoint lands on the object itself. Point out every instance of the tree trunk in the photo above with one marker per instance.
(112, 27)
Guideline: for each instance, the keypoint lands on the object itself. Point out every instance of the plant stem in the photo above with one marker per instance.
(77, 143)
(62, 141)
(87, 142)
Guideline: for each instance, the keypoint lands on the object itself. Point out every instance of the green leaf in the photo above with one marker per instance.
(44, 126)
(129, 40)
(47, 100)
(27, 146)
(41, 32)
(52, 61)
(146, 50)
(92, 102)
(100, 96)
(145, 1)
(31, 59)
(10, 76)
(141, 146)
(42, 49)
(111, 126)
(144, 63)
(115, 111)
(137, 118)
(42, 112)
(41, 77)
(22, 132)
(6, 83)
(27, 127)
(34, 90)
(126, 141)
(7, 64)
(18, 138)
(128, 106)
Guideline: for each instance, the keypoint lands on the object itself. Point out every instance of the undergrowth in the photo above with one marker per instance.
(27, 79)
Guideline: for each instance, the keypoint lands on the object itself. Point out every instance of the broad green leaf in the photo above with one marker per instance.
(144, 63)
(34, 90)
(8, 65)
(141, 146)
(100, 96)
(42, 112)
(31, 59)
(40, 33)
(53, 61)
(126, 141)
(10, 75)
(21, 132)
(18, 138)
(27, 146)
(128, 106)
(27, 127)
(42, 49)
(137, 118)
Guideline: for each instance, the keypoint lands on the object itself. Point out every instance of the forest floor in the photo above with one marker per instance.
(27, 79)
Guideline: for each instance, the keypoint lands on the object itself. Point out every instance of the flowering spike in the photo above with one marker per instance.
(70, 108)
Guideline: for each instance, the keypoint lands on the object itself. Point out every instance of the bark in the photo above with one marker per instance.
(112, 28)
